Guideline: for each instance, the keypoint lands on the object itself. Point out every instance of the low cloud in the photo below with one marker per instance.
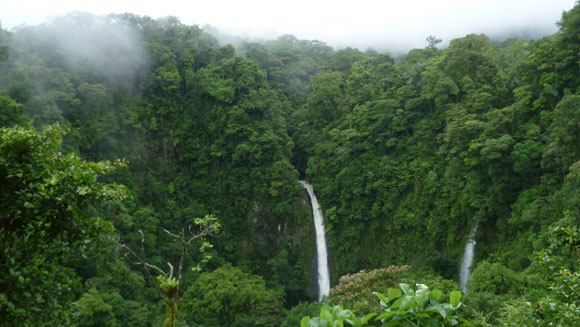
(380, 24)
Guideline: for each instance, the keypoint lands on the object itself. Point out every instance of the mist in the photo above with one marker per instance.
(393, 26)
(97, 47)
(397, 27)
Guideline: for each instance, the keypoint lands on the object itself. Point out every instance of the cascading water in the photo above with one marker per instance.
(465, 270)
(321, 254)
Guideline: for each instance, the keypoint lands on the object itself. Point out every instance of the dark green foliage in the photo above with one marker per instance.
(495, 279)
(109, 309)
(476, 132)
(559, 305)
(201, 128)
(302, 309)
(110, 281)
(11, 113)
(230, 297)
(406, 155)
(46, 212)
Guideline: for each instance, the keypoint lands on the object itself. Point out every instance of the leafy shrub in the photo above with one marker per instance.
(494, 278)
(294, 315)
(335, 316)
(420, 307)
(561, 305)
(400, 307)
(230, 297)
(356, 291)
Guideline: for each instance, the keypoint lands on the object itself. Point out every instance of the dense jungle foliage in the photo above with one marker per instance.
(119, 132)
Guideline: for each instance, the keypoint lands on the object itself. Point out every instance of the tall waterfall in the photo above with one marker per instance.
(465, 270)
(321, 254)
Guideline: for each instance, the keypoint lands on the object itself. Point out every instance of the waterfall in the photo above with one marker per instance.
(465, 270)
(321, 254)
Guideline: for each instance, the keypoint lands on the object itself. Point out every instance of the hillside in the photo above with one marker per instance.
(406, 154)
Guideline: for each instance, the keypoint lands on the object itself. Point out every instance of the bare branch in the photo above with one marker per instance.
(206, 226)
(141, 261)
(204, 232)
(174, 235)
(170, 270)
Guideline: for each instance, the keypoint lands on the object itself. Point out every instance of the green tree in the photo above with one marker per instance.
(564, 133)
(47, 210)
(11, 112)
(473, 56)
(432, 41)
(94, 311)
(230, 297)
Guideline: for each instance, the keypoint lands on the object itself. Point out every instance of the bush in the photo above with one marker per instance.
(228, 296)
(294, 315)
(494, 278)
(356, 291)
(399, 307)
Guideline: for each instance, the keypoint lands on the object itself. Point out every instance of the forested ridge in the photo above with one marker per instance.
(132, 147)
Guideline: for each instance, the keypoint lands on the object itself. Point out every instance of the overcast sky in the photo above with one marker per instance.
(383, 25)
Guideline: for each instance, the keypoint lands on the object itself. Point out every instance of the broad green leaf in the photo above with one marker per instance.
(397, 303)
(305, 322)
(421, 295)
(436, 295)
(409, 303)
(336, 311)
(407, 289)
(368, 317)
(455, 298)
(439, 309)
(326, 315)
(383, 299)
(394, 293)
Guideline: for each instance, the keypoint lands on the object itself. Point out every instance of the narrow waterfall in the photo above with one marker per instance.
(321, 254)
(465, 270)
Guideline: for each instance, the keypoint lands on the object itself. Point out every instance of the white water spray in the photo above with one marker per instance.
(465, 270)
(323, 276)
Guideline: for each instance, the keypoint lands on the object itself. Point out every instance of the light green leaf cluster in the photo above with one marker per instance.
(402, 306)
